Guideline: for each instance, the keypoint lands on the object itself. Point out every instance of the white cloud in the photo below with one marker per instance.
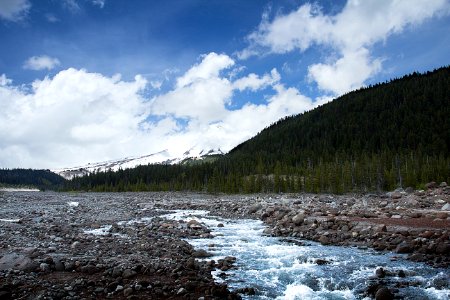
(78, 117)
(41, 63)
(254, 82)
(14, 10)
(100, 3)
(351, 33)
(210, 67)
(51, 18)
(4, 81)
(347, 73)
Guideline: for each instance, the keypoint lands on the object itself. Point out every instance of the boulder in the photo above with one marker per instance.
(254, 208)
(446, 207)
(404, 247)
(298, 219)
(18, 262)
(383, 293)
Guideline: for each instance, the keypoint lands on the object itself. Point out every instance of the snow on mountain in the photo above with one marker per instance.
(162, 157)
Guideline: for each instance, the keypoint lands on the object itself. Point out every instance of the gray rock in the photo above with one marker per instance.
(44, 267)
(298, 219)
(59, 266)
(254, 208)
(128, 273)
(17, 261)
(127, 292)
(446, 207)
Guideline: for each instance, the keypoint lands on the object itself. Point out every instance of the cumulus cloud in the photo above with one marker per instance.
(76, 117)
(41, 62)
(351, 33)
(14, 10)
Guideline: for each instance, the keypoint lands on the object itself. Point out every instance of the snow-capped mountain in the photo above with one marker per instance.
(162, 157)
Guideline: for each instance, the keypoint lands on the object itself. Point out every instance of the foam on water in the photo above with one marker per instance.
(281, 270)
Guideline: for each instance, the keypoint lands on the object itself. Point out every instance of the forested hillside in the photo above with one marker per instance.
(394, 134)
(41, 179)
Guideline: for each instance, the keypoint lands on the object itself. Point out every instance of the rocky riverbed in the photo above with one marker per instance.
(88, 245)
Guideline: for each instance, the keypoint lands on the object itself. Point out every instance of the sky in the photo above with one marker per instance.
(84, 81)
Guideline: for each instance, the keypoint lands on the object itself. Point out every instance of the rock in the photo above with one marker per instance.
(127, 292)
(443, 184)
(380, 273)
(409, 190)
(59, 266)
(254, 208)
(128, 273)
(116, 272)
(321, 262)
(442, 248)
(431, 185)
(44, 267)
(404, 247)
(324, 240)
(446, 207)
(220, 225)
(442, 215)
(396, 195)
(75, 245)
(18, 262)
(384, 293)
(193, 224)
(201, 253)
(181, 291)
(298, 219)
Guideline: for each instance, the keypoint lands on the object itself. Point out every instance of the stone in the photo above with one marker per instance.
(380, 273)
(298, 219)
(44, 267)
(254, 208)
(18, 262)
(396, 195)
(181, 291)
(324, 240)
(128, 273)
(127, 292)
(404, 248)
(443, 184)
(201, 253)
(220, 225)
(446, 207)
(384, 293)
(193, 224)
(59, 266)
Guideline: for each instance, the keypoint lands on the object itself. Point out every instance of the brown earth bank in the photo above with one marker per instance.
(48, 249)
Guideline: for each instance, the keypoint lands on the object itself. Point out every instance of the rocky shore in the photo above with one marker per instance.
(120, 246)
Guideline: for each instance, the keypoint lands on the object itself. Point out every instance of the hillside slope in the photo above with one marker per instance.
(407, 114)
(394, 134)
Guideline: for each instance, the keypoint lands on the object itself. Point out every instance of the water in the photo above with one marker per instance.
(283, 270)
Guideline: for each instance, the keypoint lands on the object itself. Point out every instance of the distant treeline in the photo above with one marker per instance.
(393, 134)
(41, 179)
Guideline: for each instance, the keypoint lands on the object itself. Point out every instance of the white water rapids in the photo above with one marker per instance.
(281, 270)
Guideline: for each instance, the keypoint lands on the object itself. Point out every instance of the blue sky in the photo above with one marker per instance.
(91, 80)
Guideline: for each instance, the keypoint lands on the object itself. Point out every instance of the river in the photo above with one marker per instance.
(297, 269)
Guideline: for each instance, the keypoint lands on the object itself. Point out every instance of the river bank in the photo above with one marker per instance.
(87, 245)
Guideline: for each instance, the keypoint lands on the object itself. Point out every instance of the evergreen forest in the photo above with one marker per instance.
(41, 179)
(378, 138)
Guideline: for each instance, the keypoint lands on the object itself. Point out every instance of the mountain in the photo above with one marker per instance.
(162, 157)
(392, 134)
